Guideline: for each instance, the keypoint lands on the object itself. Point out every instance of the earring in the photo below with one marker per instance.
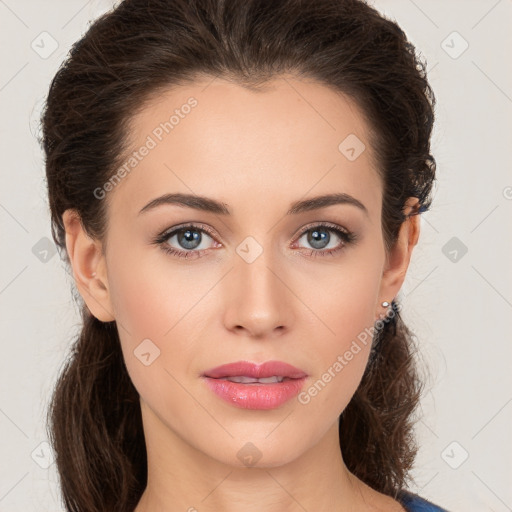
(93, 274)
(384, 304)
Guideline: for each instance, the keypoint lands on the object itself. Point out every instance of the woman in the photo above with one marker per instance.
(236, 187)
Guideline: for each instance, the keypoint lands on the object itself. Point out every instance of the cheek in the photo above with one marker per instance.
(347, 299)
(339, 359)
(156, 313)
(148, 297)
(346, 305)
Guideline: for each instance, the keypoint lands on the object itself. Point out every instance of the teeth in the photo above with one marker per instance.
(252, 380)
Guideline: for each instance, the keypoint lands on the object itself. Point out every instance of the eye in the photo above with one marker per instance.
(319, 237)
(189, 237)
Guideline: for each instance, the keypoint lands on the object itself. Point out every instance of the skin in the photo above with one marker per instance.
(257, 152)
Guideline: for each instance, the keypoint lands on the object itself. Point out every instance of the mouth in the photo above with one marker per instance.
(242, 379)
(250, 386)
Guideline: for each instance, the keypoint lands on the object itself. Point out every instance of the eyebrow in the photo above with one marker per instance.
(207, 204)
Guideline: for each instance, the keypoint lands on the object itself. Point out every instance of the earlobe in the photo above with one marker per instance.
(88, 266)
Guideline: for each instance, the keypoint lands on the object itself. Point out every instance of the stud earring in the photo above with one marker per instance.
(93, 274)
(384, 304)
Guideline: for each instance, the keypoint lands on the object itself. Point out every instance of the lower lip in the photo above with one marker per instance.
(255, 396)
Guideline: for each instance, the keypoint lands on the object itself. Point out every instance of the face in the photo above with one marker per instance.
(192, 289)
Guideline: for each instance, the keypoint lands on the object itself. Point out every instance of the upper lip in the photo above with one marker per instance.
(256, 371)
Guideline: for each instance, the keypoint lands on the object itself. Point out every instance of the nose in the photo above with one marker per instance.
(258, 301)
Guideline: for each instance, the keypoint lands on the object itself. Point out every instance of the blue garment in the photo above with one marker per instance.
(414, 503)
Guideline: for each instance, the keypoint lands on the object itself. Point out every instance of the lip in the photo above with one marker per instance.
(257, 371)
(255, 396)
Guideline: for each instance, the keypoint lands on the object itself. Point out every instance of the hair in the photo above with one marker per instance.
(144, 47)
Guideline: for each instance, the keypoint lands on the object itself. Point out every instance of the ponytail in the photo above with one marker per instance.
(376, 428)
(95, 425)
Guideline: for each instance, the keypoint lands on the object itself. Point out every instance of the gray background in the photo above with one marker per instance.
(458, 303)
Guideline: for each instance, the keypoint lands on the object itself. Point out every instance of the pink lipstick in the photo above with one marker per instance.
(250, 386)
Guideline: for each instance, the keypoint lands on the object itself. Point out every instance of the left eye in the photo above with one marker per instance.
(320, 236)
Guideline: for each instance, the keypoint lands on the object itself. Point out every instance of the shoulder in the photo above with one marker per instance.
(414, 503)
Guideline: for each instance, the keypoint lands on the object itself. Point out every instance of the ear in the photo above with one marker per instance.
(89, 268)
(399, 257)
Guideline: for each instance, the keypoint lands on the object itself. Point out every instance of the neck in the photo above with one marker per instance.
(182, 478)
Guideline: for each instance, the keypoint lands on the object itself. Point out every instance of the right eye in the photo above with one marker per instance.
(189, 237)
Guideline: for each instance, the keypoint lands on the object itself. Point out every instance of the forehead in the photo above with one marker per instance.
(245, 147)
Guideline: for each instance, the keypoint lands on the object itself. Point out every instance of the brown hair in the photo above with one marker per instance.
(145, 46)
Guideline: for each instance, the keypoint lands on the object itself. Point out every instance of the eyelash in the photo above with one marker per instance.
(346, 236)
